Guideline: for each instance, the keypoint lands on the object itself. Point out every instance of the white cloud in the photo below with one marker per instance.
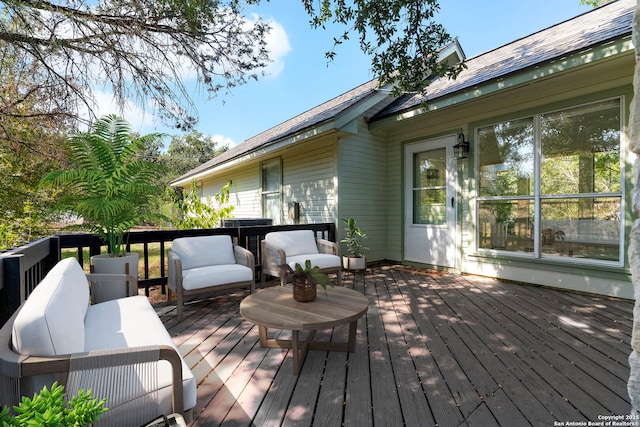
(141, 117)
(138, 118)
(224, 140)
(278, 47)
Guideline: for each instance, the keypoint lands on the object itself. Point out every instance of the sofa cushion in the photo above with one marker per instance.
(51, 321)
(203, 251)
(204, 277)
(296, 242)
(132, 322)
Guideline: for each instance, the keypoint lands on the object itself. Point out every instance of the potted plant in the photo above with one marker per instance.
(353, 240)
(111, 189)
(305, 280)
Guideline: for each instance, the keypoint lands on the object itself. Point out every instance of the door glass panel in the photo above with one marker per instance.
(429, 187)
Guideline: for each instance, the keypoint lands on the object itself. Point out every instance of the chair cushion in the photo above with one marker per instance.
(296, 242)
(202, 251)
(132, 322)
(214, 275)
(51, 321)
(320, 260)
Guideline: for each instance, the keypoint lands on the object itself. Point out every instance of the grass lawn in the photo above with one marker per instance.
(154, 258)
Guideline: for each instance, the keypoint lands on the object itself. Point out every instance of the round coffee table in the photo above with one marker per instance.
(276, 308)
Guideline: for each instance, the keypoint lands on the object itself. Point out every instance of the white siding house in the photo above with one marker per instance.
(543, 195)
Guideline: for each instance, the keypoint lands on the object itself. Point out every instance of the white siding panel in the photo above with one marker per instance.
(309, 179)
(245, 191)
(362, 188)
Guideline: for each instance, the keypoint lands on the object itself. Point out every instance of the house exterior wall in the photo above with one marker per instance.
(362, 187)
(308, 177)
(588, 83)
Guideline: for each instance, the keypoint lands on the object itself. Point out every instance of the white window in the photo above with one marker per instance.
(271, 190)
(550, 185)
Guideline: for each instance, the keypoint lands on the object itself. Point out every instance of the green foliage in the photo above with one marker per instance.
(594, 3)
(191, 211)
(22, 227)
(48, 408)
(138, 49)
(33, 120)
(400, 35)
(354, 238)
(189, 151)
(107, 184)
(307, 274)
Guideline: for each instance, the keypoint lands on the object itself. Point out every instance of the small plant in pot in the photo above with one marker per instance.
(50, 407)
(110, 188)
(353, 240)
(305, 280)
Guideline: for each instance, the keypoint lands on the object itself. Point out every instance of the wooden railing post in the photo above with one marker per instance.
(13, 289)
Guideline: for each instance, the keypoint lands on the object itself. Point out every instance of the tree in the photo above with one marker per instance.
(32, 120)
(142, 49)
(594, 3)
(107, 185)
(401, 37)
(191, 211)
(188, 151)
(145, 49)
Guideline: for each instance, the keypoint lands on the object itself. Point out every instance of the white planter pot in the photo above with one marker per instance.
(106, 264)
(353, 263)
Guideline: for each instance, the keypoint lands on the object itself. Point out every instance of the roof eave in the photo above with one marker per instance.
(342, 122)
(525, 76)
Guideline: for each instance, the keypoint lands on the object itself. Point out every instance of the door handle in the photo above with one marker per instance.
(453, 202)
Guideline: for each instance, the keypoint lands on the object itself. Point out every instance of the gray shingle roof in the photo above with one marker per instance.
(589, 29)
(309, 119)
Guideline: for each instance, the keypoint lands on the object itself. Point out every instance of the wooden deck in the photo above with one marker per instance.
(444, 350)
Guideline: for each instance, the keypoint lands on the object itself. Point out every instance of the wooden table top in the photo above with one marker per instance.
(276, 308)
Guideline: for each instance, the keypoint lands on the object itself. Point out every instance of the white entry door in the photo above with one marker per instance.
(430, 202)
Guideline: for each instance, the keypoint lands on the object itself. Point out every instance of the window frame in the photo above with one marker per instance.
(264, 192)
(539, 199)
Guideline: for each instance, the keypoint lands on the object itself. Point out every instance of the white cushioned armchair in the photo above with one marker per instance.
(205, 264)
(297, 246)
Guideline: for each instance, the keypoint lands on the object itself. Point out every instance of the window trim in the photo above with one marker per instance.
(538, 198)
(264, 193)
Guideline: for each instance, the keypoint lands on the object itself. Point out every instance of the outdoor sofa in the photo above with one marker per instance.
(119, 349)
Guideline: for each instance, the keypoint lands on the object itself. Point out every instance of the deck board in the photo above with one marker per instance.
(433, 349)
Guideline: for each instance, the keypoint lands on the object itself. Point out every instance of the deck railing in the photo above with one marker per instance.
(22, 268)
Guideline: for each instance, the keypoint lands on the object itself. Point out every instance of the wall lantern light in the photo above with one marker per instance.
(461, 149)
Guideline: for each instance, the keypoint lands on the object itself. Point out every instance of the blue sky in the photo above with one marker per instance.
(301, 78)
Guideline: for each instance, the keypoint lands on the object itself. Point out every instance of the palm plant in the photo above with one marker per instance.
(108, 185)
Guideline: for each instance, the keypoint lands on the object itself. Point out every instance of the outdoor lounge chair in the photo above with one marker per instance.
(297, 246)
(206, 264)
